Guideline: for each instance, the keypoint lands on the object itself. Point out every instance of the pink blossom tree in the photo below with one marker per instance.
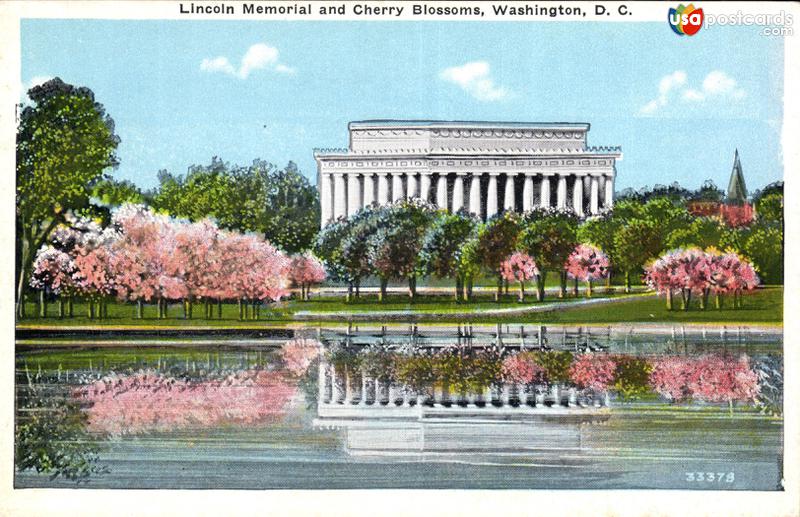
(595, 372)
(53, 269)
(298, 354)
(723, 378)
(519, 267)
(587, 264)
(670, 377)
(522, 368)
(306, 270)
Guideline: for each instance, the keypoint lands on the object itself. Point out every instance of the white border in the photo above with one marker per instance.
(67, 502)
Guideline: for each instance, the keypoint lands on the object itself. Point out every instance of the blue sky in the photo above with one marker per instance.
(181, 92)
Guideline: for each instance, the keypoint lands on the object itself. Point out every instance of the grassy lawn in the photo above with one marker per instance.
(761, 306)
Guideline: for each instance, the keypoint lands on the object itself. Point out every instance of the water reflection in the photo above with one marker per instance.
(249, 418)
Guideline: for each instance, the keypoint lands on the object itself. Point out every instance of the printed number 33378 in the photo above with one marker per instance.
(710, 477)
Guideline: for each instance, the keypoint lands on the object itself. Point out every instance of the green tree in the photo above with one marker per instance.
(703, 232)
(549, 236)
(634, 244)
(769, 208)
(396, 246)
(65, 141)
(497, 239)
(444, 245)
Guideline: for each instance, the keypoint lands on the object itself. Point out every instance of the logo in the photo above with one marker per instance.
(685, 20)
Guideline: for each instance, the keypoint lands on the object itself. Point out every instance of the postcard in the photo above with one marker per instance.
(334, 257)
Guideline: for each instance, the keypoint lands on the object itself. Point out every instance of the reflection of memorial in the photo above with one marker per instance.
(380, 414)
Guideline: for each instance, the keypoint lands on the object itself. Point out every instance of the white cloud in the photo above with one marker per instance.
(717, 84)
(258, 57)
(218, 64)
(475, 78)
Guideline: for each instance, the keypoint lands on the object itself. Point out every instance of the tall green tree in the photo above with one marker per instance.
(549, 236)
(65, 141)
(599, 231)
(444, 245)
(497, 239)
(636, 242)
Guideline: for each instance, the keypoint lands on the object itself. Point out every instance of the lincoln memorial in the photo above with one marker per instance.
(483, 167)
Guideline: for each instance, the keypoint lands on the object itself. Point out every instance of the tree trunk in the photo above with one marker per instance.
(717, 300)
(589, 288)
(459, 287)
(42, 304)
(575, 288)
(627, 281)
(60, 307)
(23, 275)
(219, 308)
(166, 308)
(382, 291)
(704, 299)
(669, 299)
(255, 310)
(521, 291)
(349, 295)
(562, 292)
(505, 286)
(90, 310)
(241, 309)
(139, 309)
(540, 281)
(185, 307)
(358, 288)
(608, 278)
(499, 292)
(469, 288)
(70, 307)
(412, 287)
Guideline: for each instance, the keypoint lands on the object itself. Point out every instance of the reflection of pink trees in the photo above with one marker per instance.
(694, 271)
(711, 377)
(593, 371)
(145, 256)
(306, 270)
(587, 264)
(519, 267)
(522, 368)
(152, 402)
(298, 354)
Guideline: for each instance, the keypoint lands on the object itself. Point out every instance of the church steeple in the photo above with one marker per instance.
(737, 191)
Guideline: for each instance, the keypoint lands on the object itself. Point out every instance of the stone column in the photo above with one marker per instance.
(411, 186)
(491, 196)
(509, 201)
(458, 192)
(594, 196)
(397, 187)
(527, 193)
(369, 190)
(544, 200)
(353, 194)
(475, 195)
(577, 195)
(561, 193)
(441, 192)
(339, 196)
(325, 187)
(609, 202)
(425, 186)
(383, 188)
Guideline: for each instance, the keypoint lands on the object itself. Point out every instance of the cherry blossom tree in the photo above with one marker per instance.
(587, 264)
(306, 270)
(53, 269)
(519, 267)
(723, 378)
(522, 368)
(670, 377)
(298, 354)
(596, 372)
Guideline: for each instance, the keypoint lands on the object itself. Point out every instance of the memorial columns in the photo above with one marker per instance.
(475, 195)
(491, 196)
(353, 194)
(339, 199)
